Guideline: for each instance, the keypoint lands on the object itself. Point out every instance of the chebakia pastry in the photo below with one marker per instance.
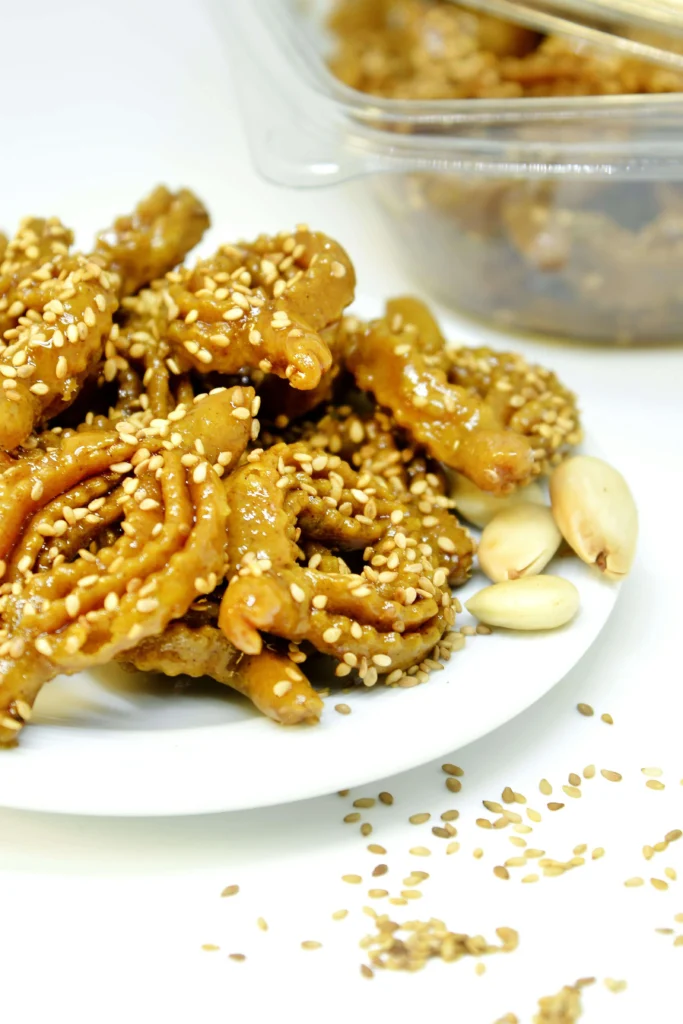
(214, 470)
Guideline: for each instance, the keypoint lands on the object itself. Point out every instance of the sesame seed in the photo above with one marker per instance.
(230, 890)
(352, 879)
(297, 593)
(610, 775)
(343, 709)
(585, 709)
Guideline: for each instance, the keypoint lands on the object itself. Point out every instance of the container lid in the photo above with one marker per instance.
(650, 31)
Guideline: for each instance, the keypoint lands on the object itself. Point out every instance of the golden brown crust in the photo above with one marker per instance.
(57, 310)
(375, 621)
(526, 398)
(454, 425)
(66, 607)
(156, 237)
(261, 304)
(269, 680)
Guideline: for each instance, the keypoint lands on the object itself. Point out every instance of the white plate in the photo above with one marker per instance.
(107, 743)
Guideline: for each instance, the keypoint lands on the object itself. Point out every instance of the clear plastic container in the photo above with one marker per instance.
(559, 216)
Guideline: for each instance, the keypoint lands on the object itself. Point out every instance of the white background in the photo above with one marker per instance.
(104, 919)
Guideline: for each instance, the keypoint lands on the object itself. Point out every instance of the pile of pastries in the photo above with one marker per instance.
(210, 469)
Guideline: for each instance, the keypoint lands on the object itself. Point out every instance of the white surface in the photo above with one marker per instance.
(212, 753)
(104, 919)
